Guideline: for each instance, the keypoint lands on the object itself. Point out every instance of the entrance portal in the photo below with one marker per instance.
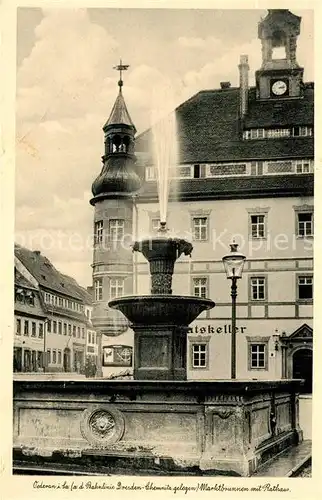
(67, 366)
(302, 368)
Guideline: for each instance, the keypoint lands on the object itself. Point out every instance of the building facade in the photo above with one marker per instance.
(245, 173)
(61, 303)
(28, 350)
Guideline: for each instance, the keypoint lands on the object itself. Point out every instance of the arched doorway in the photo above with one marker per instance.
(67, 366)
(302, 367)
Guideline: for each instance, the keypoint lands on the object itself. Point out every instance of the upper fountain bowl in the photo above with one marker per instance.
(161, 309)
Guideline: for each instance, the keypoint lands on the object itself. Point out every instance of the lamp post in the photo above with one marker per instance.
(233, 263)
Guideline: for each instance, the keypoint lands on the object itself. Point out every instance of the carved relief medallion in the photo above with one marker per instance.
(102, 425)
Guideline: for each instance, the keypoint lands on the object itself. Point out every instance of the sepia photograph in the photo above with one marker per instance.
(163, 244)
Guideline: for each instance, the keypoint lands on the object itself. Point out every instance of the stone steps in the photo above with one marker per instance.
(288, 463)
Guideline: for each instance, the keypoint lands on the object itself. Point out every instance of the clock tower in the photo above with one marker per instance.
(280, 76)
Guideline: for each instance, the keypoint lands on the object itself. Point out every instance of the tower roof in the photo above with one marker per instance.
(119, 114)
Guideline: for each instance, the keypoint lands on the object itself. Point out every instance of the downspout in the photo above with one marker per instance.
(135, 237)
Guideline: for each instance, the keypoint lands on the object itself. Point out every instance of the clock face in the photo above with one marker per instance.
(279, 87)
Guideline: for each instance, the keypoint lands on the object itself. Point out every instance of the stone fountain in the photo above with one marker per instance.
(158, 423)
(160, 321)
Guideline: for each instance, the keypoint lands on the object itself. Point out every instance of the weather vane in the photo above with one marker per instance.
(121, 67)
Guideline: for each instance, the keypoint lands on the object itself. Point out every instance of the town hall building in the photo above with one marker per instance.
(245, 173)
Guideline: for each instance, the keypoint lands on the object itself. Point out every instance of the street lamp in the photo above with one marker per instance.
(233, 263)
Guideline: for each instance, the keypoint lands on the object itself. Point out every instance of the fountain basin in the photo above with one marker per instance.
(223, 427)
(161, 309)
(160, 325)
(162, 252)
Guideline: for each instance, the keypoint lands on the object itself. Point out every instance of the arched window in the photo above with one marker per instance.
(116, 143)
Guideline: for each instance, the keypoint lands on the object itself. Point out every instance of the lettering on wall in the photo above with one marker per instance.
(215, 329)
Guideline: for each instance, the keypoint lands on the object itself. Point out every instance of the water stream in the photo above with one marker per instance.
(165, 142)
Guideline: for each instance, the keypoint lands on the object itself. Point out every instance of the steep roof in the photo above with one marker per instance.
(209, 129)
(45, 273)
(20, 280)
(87, 298)
(119, 114)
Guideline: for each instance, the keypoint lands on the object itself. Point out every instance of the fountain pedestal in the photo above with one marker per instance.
(160, 321)
(160, 354)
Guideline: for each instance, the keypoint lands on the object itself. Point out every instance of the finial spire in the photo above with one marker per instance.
(121, 67)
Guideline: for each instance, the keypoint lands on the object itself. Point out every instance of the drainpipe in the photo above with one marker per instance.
(243, 85)
(135, 258)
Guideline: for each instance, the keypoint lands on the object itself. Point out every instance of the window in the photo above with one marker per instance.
(70, 330)
(74, 331)
(19, 295)
(40, 362)
(150, 173)
(116, 229)
(196, 172)
(257, 223)
(305, 131)
(256, 168)
(54, 356)
(59, 357)
(98, 289)
(199, 355)
(48, 326)
(30, 298)
(200, 228)
(83, 333)
(98, 231)
(303, 166)
(116, 287)
(305, 287)
(18, 326)
(200, 287)
(48, 356)
(59, 327)
(305, 224)
(257, 356)
(60, 301)
(257, 133)
(54, 326)
(155, 224)
(257, 288)
(278, 132)
(78, 331)
(26, 327)
(65, 328)
(89, 337)
(41, 331)
(33, 329)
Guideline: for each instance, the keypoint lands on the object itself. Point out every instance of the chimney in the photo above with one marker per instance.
(37, 252)
(243, 85)
(225, 85)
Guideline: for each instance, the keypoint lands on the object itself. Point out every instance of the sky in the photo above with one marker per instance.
(66, 87)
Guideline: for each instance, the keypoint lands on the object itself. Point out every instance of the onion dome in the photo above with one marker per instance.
(118, 176)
